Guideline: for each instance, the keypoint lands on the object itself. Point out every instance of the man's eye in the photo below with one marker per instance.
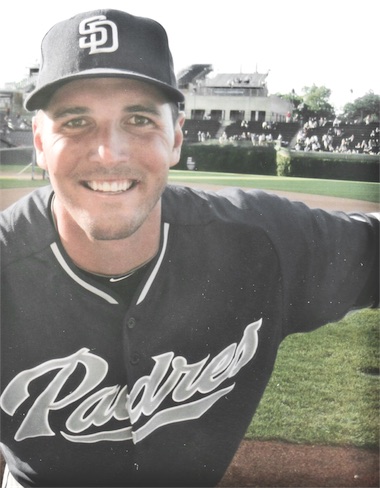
(76, 123)
(139, 120)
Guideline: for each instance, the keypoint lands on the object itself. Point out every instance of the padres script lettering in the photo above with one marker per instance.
(170, 375)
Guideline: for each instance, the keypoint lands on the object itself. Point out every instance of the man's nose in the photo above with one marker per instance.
(110, 146)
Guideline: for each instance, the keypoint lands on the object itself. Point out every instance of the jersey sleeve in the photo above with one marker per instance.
(329, 262)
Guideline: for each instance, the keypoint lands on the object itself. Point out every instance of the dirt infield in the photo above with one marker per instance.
(278, 464)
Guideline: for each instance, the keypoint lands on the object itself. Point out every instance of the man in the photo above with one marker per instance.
(140, 322)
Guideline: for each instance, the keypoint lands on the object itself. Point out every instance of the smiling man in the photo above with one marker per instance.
(140, 322)
(107, 144)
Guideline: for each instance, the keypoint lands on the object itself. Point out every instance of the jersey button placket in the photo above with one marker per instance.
(131, 323)
(134, 357)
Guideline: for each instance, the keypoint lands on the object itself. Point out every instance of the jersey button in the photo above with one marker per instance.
(131, 322)
(135, 358)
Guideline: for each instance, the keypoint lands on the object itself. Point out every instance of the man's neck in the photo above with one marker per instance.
(112, 257)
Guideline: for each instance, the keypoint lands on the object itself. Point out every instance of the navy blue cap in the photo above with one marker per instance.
(104, 43)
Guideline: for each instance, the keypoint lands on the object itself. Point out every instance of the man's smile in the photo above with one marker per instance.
(110, 186)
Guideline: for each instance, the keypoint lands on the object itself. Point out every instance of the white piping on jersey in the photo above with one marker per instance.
(87, 286)
(150, 280)
(102, 294)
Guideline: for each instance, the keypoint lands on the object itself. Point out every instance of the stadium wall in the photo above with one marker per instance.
(266, 160)
(17, 155)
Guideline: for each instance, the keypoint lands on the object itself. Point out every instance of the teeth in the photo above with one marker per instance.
(110, 186)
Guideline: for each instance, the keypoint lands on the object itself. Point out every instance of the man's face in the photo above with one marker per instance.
(108, 144)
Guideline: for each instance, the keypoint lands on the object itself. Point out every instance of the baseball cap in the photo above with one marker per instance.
(104, 43)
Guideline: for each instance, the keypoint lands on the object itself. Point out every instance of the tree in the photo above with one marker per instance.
(291, 97)
(300, 109)
(317, 100)
(313, 103)
(366, 106)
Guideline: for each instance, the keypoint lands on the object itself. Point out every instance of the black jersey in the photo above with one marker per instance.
(159, 389)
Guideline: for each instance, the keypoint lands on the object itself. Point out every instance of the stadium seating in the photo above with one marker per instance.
(192, 129)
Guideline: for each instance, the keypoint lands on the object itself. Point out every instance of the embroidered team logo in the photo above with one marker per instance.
(188, 389)
(99, 35)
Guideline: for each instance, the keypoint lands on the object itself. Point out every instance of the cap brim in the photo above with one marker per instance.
(39, 98)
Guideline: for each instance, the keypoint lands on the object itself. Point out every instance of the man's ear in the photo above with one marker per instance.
(37, 140)
(178, 138)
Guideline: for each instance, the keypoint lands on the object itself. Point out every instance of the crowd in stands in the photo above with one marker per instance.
(315, 135)
(9, 122)
(14, 130)
(262, 139)
(335, 136)
(264, 133)
(203, 136)
(200, 130)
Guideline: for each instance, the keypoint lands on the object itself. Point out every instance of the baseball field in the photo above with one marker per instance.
(318, 423)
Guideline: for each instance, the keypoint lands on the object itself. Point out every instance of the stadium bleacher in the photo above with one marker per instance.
(192, 129)
(360, 138)
(16, 138)
(284, 130)
(192, 73)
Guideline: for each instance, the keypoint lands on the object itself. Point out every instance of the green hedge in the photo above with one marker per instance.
(265, 160)
(334, 166)
(230, 158)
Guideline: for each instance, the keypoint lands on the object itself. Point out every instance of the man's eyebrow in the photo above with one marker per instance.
(149, 108)
(78, 110)
(66, 111)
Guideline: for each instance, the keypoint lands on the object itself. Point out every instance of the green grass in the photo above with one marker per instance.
(15, 169)
(17, 183)
(356, 190)
(325, 386)
(20, 176)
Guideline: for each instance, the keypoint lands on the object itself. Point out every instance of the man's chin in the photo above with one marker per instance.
(111, 234)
